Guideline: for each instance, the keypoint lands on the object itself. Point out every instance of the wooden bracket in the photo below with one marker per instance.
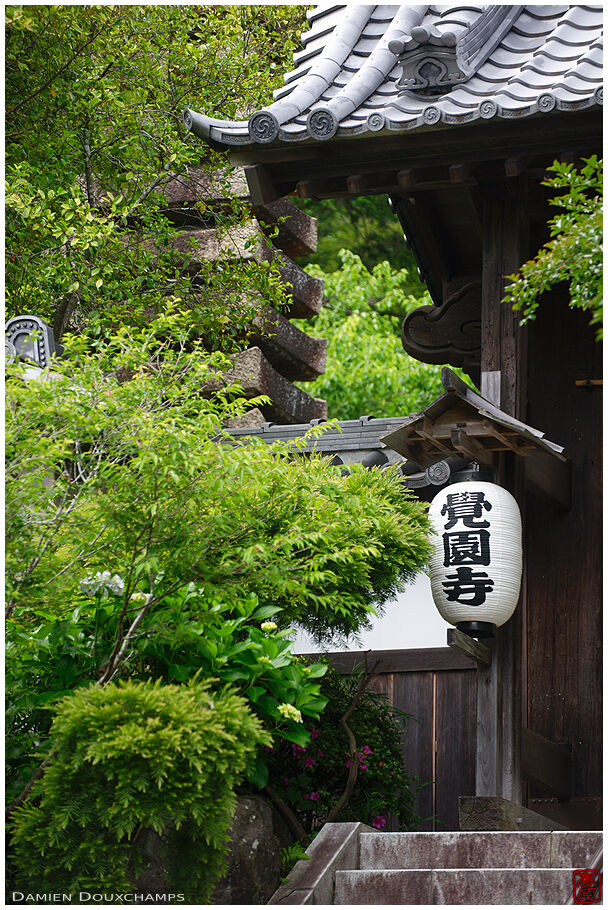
(407, 178)
(546, 764)
(468, 646)
(357, 183)
(549, 477)
(469, 446)
(460, 172)
(261, 185)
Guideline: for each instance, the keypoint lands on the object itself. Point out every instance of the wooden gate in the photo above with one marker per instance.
(438, 687)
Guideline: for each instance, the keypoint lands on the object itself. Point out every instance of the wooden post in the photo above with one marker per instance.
(502, 687)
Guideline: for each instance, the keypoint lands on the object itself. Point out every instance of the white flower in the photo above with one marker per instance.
(138, 597)
(102, 584)
(290, 713)
(268, 626)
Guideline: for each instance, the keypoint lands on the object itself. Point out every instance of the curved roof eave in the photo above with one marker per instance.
(359, 72)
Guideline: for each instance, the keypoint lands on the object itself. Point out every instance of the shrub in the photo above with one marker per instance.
(312, 778)
(131, 757)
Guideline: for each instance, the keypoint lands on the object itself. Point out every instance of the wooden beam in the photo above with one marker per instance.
(509, 444)
(489, 735)
(549, 476)
(304, 189)
(476, 650)
(411, 660)
(547, 765)
(261, 184)
(426, 432)
(469, 446)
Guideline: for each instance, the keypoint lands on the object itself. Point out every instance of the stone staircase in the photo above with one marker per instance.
(358, 866)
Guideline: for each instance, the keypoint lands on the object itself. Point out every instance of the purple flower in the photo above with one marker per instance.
(365, 750)
(363, 767)
(320, 754)
(314, 795)
(297, 750)
(378, 821)
(309, 762)
(314, 733)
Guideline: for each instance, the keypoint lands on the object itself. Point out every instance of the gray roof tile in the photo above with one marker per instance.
(548, 57)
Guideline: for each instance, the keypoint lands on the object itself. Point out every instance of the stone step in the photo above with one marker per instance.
(477, 850)
(454, 886)
(257, 377)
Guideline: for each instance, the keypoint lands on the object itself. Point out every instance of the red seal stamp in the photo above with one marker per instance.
(587, 886)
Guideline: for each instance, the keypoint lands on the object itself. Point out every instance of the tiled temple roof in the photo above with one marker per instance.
(367, 68)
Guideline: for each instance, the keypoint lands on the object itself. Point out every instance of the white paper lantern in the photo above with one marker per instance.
(476, 562)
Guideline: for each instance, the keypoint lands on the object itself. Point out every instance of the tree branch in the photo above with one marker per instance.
(294, 823)
(354, 760)
(62, 69)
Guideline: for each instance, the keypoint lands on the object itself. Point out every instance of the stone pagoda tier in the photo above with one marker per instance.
(279, 353)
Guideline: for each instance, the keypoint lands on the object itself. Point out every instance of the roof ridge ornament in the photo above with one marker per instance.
(435, 59)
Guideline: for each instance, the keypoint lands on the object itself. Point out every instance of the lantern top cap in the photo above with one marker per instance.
(367, 69)
(463, 423)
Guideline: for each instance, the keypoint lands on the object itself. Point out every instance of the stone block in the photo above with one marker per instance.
(311, 880)
(297, 232)
(257, 377)
(306, 292)
(247, 242)
(574, 849)
(387, 887)
(292, 352)
(199, 186)
(494, 813)
(501, 886)
(208, 244)
(456, 850)
(250, 419)
(254, 857)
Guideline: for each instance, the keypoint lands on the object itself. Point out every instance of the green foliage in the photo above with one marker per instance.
(290, 856)
(160, 493)
(366, 226)
(574, 253)
(312, 778)
(115, 466)
(235, 643)
(94, 131)
(368, 372)
(132, 757)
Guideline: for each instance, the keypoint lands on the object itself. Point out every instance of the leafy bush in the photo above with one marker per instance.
(368, 372)
(186, 635)
(95, 96)
(311, 779)
(574, 253)
(117, 472)
(131, 757)
(159, 501)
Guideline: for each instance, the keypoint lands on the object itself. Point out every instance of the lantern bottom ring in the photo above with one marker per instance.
(477, 629)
